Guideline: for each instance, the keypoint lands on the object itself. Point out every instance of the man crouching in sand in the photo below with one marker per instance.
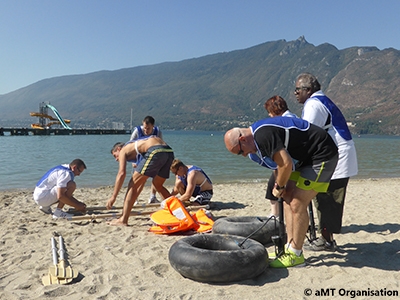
(157, 159)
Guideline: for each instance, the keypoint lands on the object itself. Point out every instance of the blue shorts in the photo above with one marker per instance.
(156, 161)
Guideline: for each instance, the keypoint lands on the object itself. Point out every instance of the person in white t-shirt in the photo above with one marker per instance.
(318, 109)
(58, 186)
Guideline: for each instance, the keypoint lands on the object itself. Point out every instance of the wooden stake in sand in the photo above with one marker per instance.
(139, 206)
(110, 215)
(133, 213)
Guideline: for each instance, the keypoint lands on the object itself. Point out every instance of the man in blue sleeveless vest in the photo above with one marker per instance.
(146, 129)
(58, 185)
(318, 109)
(284, 139)
(191, 181)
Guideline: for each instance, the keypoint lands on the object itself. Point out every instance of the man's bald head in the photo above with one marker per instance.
(231, 139)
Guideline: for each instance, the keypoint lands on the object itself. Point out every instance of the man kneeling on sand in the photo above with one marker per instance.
(191, 181)
(58, 185)
(157, 159)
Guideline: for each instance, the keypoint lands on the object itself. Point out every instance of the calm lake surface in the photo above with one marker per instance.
(24, 159)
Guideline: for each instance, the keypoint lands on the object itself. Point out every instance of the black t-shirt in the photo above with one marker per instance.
(311, 146)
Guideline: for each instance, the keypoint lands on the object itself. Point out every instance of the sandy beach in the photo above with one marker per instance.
(132, 263)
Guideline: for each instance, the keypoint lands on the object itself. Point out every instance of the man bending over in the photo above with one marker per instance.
(157, 159)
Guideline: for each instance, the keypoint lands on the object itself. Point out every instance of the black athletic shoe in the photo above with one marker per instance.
(320, 244)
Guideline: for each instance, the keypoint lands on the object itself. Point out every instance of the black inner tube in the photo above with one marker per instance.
(260, 229)
(218, 258)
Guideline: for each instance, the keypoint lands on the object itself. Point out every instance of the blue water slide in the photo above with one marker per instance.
(58, 116)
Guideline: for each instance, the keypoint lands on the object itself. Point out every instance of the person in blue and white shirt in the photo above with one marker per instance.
(285, 139)
(191, 181)
(58, 186)
(147, 129)
(319, 110)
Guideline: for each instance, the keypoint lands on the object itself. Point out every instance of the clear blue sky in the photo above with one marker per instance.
(48, 38)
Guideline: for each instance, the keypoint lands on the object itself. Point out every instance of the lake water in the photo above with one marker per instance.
(24, 159)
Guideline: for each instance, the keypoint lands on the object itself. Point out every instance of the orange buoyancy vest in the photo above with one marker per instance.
(175, 217)
(204, 222)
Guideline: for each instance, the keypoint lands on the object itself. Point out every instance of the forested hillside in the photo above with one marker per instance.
(218, 91)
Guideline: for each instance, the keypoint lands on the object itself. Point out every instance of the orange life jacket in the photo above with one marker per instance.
(175, 217)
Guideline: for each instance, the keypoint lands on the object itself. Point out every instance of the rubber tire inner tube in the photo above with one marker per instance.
(245, 226)
(218, 258)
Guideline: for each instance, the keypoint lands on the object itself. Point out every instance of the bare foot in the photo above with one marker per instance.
(117, 222)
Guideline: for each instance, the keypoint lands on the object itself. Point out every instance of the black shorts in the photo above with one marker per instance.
(156, 161)
(270, 187)
(203, 198)
(330, 206)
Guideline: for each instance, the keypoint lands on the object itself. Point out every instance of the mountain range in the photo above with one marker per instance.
(222, 90)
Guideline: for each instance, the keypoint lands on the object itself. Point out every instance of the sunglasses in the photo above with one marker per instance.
(240, 146)
(298, 89)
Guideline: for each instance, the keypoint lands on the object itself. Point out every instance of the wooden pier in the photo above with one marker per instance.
(58, 131)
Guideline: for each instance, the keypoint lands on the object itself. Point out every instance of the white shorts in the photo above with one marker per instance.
(45, 198)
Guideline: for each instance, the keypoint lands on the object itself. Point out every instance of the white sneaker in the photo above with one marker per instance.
(162, 204)
(59, 214)
(153, 199)
(46, 209)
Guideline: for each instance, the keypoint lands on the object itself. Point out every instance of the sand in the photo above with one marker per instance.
(132, 263)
